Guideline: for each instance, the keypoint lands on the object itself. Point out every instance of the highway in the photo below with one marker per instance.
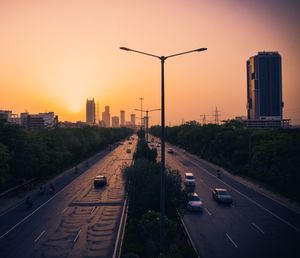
(253, 226)
(78, 220)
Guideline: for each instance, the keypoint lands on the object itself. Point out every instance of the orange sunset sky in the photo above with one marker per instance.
(54, 54)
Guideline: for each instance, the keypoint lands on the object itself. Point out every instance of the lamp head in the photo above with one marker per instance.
(201, 49)
(125, 48)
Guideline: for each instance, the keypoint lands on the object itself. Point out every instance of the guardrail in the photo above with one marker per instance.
(121, 231)
(187, 234)
(27, 183)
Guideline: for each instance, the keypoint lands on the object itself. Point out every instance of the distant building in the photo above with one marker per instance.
(9, 117)
(264, 90)
(90, 112)
(101, 123)
(145, 122)
(132, 119)
(5, 115)
(122, 118)
(41, 120)
(115, 121)
(106, 116)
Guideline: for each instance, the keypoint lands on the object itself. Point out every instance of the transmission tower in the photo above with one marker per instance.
(217, 114)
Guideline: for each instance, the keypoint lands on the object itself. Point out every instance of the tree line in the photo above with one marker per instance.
(271, 157)
(27, 154)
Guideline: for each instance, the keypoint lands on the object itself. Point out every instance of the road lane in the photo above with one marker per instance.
(79, 221)
(211, 231)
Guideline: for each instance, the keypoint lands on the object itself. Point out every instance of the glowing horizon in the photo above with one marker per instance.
(56, 54)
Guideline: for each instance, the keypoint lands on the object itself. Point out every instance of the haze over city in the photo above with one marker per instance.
(56, 54)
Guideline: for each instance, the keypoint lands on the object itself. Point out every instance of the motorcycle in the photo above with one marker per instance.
(51, 189)
(41, 190)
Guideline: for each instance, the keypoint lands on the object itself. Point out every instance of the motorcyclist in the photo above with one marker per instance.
(218, 173)
(51, 188)
(42, 189)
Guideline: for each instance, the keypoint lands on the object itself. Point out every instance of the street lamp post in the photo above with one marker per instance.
(162, 174)
(147, 117)
(141, 99)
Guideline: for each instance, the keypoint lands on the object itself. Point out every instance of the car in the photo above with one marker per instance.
(157, 145)
(189, 180)
(130, 142)
(128, 151)
(194, 202)
(100, 180)
(221, 195)
(170, 150)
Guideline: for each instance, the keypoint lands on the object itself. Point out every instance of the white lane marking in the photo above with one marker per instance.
(64, 210)
(29, 215)
(235, 245)
(248, 198)
(258, 228)
(75, 239)
(207, 211)
(93, 210)
(37, 239)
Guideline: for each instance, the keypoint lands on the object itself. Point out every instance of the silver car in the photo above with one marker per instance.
(194, 202)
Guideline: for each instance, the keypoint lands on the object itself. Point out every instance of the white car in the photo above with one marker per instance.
(221, 195)
(194, 202)
(170, 150)
(189, 179)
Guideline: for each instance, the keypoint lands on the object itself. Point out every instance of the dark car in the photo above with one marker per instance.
(221, 195)
(100, 181)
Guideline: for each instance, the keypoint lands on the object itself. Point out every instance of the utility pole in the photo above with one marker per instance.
(147, 119)
(217, 113)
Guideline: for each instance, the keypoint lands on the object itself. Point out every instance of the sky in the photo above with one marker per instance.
(54, 54)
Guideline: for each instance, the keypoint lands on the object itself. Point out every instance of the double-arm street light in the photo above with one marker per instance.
(147, 119)
(162, 175)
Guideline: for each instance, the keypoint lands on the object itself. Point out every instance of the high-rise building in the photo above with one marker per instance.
(106, 116)
(115, 122)
(122, 118)
(90, 111)
(264, 86)
(132, 119)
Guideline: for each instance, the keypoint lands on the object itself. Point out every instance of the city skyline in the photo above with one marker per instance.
(70, 51)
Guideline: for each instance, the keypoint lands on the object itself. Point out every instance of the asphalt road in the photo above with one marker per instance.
(253, 226)
(78, 220)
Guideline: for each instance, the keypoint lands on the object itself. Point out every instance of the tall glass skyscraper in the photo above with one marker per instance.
(264, 86)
